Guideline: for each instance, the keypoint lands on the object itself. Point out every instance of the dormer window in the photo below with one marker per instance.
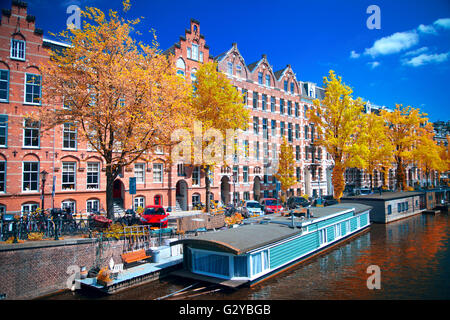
(267, 80)
(17, 49)
(285, 85)
(292, 87)
(260, 78)
(239, 71)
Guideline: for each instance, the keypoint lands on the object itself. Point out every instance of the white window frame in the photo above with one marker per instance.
(91, 203)
(230, 68)
(66, 165)
(139, 201)
(238, 71)
(68, 130)
(323, 239)
(195, 52)
(72, 204)
(3, 176)
(189, 52)
(90, 172)
(139, 172)
(31, 207)
(25, 89)
(158, 167)
(196, 180)
(15, 46)
(30, 172)
(25, 128)
(4, 127)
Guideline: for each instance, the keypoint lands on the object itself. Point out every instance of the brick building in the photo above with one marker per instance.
(277, 100)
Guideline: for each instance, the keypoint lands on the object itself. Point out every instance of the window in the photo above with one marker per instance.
(29, 208)
(246, 196)
(194, 52)
(17, 49)
(260, 78)
(32, 88)
(210, 263)
(68, 175)
(274, 150)
(266, 150)
(289, 108)
(297, 110)
(239, 71)
(281, 128)
(389, 209)
(245, 174)
(93, 175)
(259, 262)
(92, 205)
(264, 102)
(272, 104)
(69, 136)
(292, 87)
(306, 132)
(3, 130)
(255, 100)
(246, 149)
(290, 132)
(257, 150)
(157, 200)
(236, 174)
(267, 80)
(264, 127)
(255, 125)
(181, 170)
(297, 153)
(31, 133)
(201, 56)
(180, 72)
(323, 236)
(230, 68)
(195, 199)
(30, 176)
(196, 176)
(281, 106)
(298, 174)
(69, 204)
(297, 131)
(274, 127)
(158, 172)
(139, 172)
(139, 202)
(2, 176)
(189, 52)
(337, 230)
(245, 95)
(4, 85)
(285, 85)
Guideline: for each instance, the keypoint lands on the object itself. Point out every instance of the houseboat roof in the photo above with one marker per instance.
(385, 196)
(249, 237)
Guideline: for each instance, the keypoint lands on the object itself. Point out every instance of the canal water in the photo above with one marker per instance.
(413, 255)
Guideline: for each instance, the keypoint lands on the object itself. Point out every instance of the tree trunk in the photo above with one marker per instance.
(208, 188)
(401, 181)
(110, 176)
(338, 181)
(371, 181)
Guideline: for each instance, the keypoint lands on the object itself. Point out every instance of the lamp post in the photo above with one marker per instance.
(43, 178)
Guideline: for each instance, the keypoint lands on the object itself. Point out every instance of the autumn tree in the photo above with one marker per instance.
(338, 120)
(403, 127)
(218, 110)
(427, 154)
(123, 96)
(375, 146)
(286, 167)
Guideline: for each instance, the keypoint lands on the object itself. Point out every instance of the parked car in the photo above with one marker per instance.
(328, 201)
(296, 202)
(363, 191)
(252, 208)
(155, 216)
(271, 205)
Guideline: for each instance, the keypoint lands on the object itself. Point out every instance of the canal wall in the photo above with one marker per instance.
(33, 269)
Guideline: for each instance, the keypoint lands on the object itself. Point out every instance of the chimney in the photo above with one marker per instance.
(234, 44)
(264, 56)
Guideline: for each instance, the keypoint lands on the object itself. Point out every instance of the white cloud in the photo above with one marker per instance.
(426, 29)
(374, 64)
(443, 23)
(354, 55)
(394, 43)
(416, 52)
(424, 59)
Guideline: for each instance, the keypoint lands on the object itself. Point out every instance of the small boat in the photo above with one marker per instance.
(257, 251)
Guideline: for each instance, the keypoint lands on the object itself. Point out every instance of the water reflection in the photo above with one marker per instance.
(413, 255)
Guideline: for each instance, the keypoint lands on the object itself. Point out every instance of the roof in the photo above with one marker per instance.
(385, 196)
(249, 237)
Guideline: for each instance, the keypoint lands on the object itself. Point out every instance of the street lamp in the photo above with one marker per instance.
(43, 178)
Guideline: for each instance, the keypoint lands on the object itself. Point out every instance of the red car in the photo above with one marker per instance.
(271, 205)
(155, 216)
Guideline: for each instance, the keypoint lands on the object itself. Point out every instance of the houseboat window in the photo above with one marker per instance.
(260, 261)
(347, 226)
(389, 209)
(337, 230)
(323, 236)
(210, 263)
(240, 266)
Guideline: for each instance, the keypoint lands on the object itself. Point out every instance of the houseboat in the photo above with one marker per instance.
(253, 252)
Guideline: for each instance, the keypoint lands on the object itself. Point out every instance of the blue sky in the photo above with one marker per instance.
(406, 61)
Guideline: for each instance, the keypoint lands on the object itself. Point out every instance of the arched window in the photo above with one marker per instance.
(195, 199)
(92, 205)
(29, 207)
(139, 202)
(71, 204)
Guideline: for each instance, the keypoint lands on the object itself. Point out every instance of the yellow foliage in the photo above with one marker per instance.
(35, 236)
(286, 168)
(103, 276)
(234, 219)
